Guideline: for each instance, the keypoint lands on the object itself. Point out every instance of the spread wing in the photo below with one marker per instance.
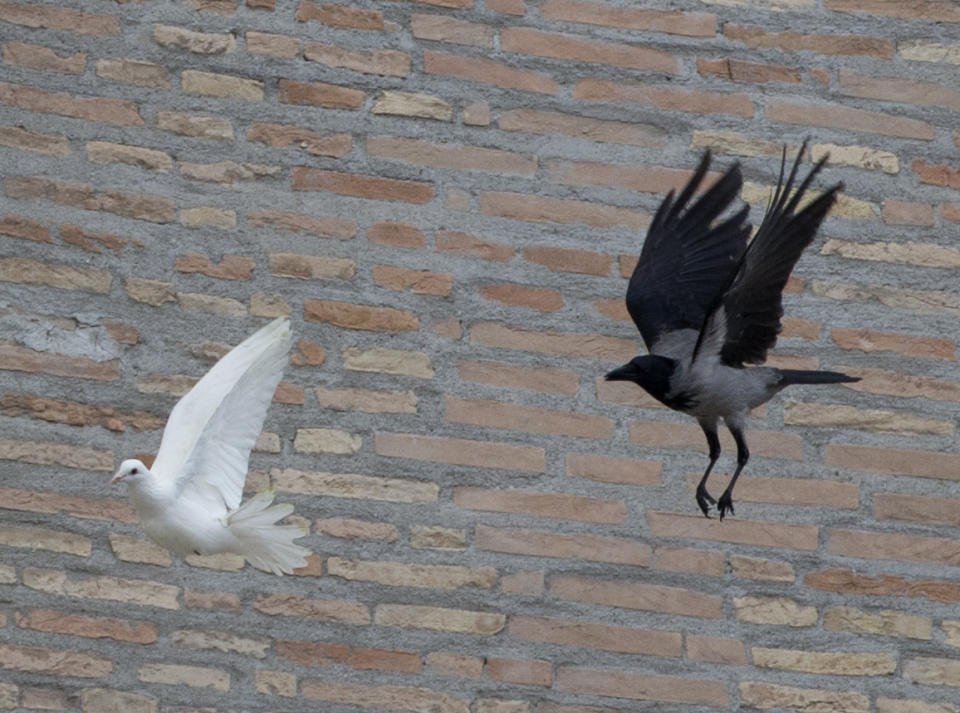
(208, 438)
(686, 260)
(745, 323)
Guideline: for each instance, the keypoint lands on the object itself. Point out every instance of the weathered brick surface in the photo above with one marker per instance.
(446, 197)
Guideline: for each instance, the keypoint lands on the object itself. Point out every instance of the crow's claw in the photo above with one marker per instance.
(704, 500)
(726, 503)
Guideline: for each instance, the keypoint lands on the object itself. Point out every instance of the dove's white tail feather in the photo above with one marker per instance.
(264, 544)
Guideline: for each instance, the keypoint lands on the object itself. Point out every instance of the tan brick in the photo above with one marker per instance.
(115, 111)
(372, 187)
(916, 508)
(515, 376)
(340, 15)
(857, 156)
(437, 538)
(445, 155)
(533, 419)
(537, 504)
(746, 532)
(310, 267)
(893, 461)
(668, 98)
(180, 675)
(520, 671)
(275, 683)
(326, 440)
(692, 24)
(335, 610)
(856, 45)
(408, 698)
(839, 416)
(707, 563)
(152, 292)
(16, 358)
(535, 543)
(884, 622)
(211, 304)
(314, 143)
(31, 272)
(56, 18)
(922, 301)
(540, 209)
(834, 663)
(133, 591)
(221, 86)
(585, 346)
(17, 226)
(388, 361)
(898, 705)
(133, 549)
(411, 616)
(226, 172)
(846, 581)
(761, 569)
(440, 28)
(606, 637)
(413, 104)
(367, 400)
(136, 72)
(787, 491)
(624, 684)
(58, 622)
(613, 470)
(401, 574)
(272, 44)
(932, 671)
(835, 116)
(42, 58)
(916, 346)
(104, 700)
(204, 216)
(356, 529)
(56, 453)
(487, 71)
(75, 506)
(845, 206)
(545, 44)
(230, 267)
(712, 649)
(907, 213)
(181, 38)
(421, 282)
(322, 94)
(602, 131)
(459, 451)
(321, 227)
(198, 127)
(347, 485)
(224, 641)
(524, 583)
(390, 63)
(364, 317)
(226, 601)
(500, 705)
(776, 611)
(646, 597)
(762, 695)
(449, 241)
(57, 662)
(657, 434)
(889, 546)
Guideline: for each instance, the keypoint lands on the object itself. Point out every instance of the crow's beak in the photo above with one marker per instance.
(117, 477)
(627, 372)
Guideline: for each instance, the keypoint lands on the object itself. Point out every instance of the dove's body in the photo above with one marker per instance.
(189, 502)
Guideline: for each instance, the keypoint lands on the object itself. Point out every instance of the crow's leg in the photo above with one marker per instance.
(743, 455)
(704, 499)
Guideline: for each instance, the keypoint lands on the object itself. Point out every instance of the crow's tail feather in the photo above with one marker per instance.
(803, 376)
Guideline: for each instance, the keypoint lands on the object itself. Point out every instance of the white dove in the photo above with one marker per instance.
(189, 502)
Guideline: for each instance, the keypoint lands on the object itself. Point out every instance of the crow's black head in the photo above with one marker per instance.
(649, 371)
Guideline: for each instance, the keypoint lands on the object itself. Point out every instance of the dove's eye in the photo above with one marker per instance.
(133, 471)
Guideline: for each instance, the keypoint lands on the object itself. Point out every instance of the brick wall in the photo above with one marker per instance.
(446, 197)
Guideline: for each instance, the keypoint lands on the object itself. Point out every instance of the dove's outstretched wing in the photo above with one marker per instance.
(208, 438)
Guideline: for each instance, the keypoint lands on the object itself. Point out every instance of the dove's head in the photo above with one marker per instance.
(131, 471)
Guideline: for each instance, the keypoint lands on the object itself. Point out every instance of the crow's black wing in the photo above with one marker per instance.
(746, 321)
(686, 260)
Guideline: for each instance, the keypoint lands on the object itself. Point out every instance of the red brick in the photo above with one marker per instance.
(422, 282)
(515, 376)
(75, 235)
(389, 63)
(535, 543)
(940, 551)
(897, 90)
(76, 414)
(545, 44)
(460, 451)
(835, 116)
(321, 227)
(707, 563)
(225, 601)
(508, 7)
(449, 241)
(584, 262)
(584, 346)
(115, 111)
(322, 94)
(613, 470)
(914, 10)
(785, 491)
(857, 45)
(636, 595)
(230, 267)
(936, 174)
(450, 664)
(581, 127)
(657, 434)
(57, 622)
(541, 209)
(743, 532)
(906, 213)
(354, 316)
(540, 298)
(605, 637)
(354, 18)
(668, 98)
(441, 28)
(532, 419)
(465, 158)
(398, 235)
(487, 71)
(846, 581)
(917, 508)
(538, 504)
(893, 461)
(692, 24)
(17, 358)
(17, 226)
(716, 650)
(315, 144)
(47, 17)
(373, 187)
(82, 195)
(39, 57)
(647, 179)
(740, 71)
(623, 684)
(525, 673)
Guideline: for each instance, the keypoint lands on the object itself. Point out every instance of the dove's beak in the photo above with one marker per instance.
(117, 477)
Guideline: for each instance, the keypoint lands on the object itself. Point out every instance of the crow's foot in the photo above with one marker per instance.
(726, 503)
(704, 500)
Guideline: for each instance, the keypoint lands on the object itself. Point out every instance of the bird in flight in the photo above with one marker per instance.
(707, 303)
(189, 501)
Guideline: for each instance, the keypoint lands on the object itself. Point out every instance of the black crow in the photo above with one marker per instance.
(707, 303)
